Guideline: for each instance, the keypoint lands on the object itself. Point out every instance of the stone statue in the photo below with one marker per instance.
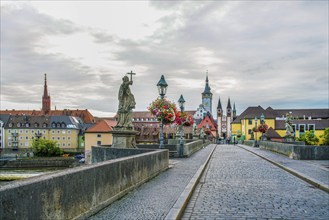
(126, 104)
(288, 125)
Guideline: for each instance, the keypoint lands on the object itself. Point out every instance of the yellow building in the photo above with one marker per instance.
(20, 130)
(303, 120)
(99, 134)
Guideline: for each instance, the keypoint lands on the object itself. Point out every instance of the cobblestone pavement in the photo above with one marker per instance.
(154, 199)
(239, 185)
(316, 170)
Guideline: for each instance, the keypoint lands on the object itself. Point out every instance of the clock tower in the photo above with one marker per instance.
(207, 97)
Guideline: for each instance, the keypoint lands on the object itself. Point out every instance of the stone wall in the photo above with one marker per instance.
(296, 151)
(38, 162)
(192, 147)
(81, 191)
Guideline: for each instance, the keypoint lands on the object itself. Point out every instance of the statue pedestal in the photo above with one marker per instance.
(288, 138)
(124, 138)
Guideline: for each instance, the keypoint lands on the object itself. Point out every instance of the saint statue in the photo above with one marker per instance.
(126, 103)
(288, 125)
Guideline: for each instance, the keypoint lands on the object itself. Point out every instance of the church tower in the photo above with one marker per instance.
(228, 117)
(45, 98)
(207, 97)
(219, 118)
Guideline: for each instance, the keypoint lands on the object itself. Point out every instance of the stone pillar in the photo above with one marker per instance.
(124, 138)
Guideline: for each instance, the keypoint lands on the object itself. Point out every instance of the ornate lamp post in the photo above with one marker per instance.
(181, 102)
(256, 144)
(38, 134)
(262, 121)
(162, 87)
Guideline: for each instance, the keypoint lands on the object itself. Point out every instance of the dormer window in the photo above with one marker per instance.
(63, 125)
(58, 125)
(53, 125)
(10, 125)
(36, 125)
(27, 125)
(44, 125)
(18, 124)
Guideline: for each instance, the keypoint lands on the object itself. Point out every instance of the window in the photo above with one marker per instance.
(99, 142)
(21, 131)
(249, 131)
(53, 132)
(21, 144)
(58, 131)
(27, 125)
(63, 144)
(53, 125)
(20, 138)
(26, 131)
(36, 125)
(69, 132)
(64, 138)
(69, 144)
(10, 125)
(249, 121)
(311, 127)
(9, 144)
(68, 138)
(26, 138)
(32, 131)
(53, 138)
(44, 125)
(9, 131)
(99, 135)
(44, 131)
(26, 144)
(58, 138)
(63, 131)
(301, 128)
(18, 124)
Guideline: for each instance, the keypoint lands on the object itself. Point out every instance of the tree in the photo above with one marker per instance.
(325, 136)
(309, 138)
(45, 148)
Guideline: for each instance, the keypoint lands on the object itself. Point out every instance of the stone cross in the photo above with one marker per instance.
(131, 75)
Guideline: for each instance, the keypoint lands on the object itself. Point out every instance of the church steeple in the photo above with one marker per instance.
(219, 108)
(45, 98)
(229, 108)
(234, 110)
(207, 96)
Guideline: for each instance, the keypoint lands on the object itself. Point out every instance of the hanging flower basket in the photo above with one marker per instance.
(182, 118)
(263, 128)
(254, 129)
(163, 109)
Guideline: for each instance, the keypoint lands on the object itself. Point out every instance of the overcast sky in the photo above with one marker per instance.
(268, 53)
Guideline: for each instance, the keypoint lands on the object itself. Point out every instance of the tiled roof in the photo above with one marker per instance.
(102, 126)
(300, 113)
(271, 133)
(84, 114)
(319, 124)
(252, 112)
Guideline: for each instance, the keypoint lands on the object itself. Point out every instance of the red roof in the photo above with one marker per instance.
(102, 126)
(84, 114)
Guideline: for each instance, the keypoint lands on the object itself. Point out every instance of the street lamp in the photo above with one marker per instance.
(256, 144)
(181, 102)
(162, 87)
(262, 121)
(38, 134)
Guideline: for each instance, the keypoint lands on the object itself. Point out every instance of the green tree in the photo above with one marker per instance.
(309, 138)
(45, 148)
(325, 137)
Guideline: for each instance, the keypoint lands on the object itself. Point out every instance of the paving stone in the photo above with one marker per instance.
(154, 199)
(239, 184)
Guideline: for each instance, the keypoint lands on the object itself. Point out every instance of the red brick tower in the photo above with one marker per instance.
(45, 98)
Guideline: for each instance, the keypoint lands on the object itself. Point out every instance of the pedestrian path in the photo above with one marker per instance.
(237, 184)
(154, 199)
(314, 171)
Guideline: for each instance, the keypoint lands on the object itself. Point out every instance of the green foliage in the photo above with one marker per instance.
(309, 138)
(45, 148)
(325, 137)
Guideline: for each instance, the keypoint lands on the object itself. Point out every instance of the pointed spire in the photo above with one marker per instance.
(229, 103)
(45, 89)
(234, 110)
(219, 106)
(207, 88)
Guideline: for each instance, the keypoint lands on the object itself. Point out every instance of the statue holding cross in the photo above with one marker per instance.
(126, 103)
